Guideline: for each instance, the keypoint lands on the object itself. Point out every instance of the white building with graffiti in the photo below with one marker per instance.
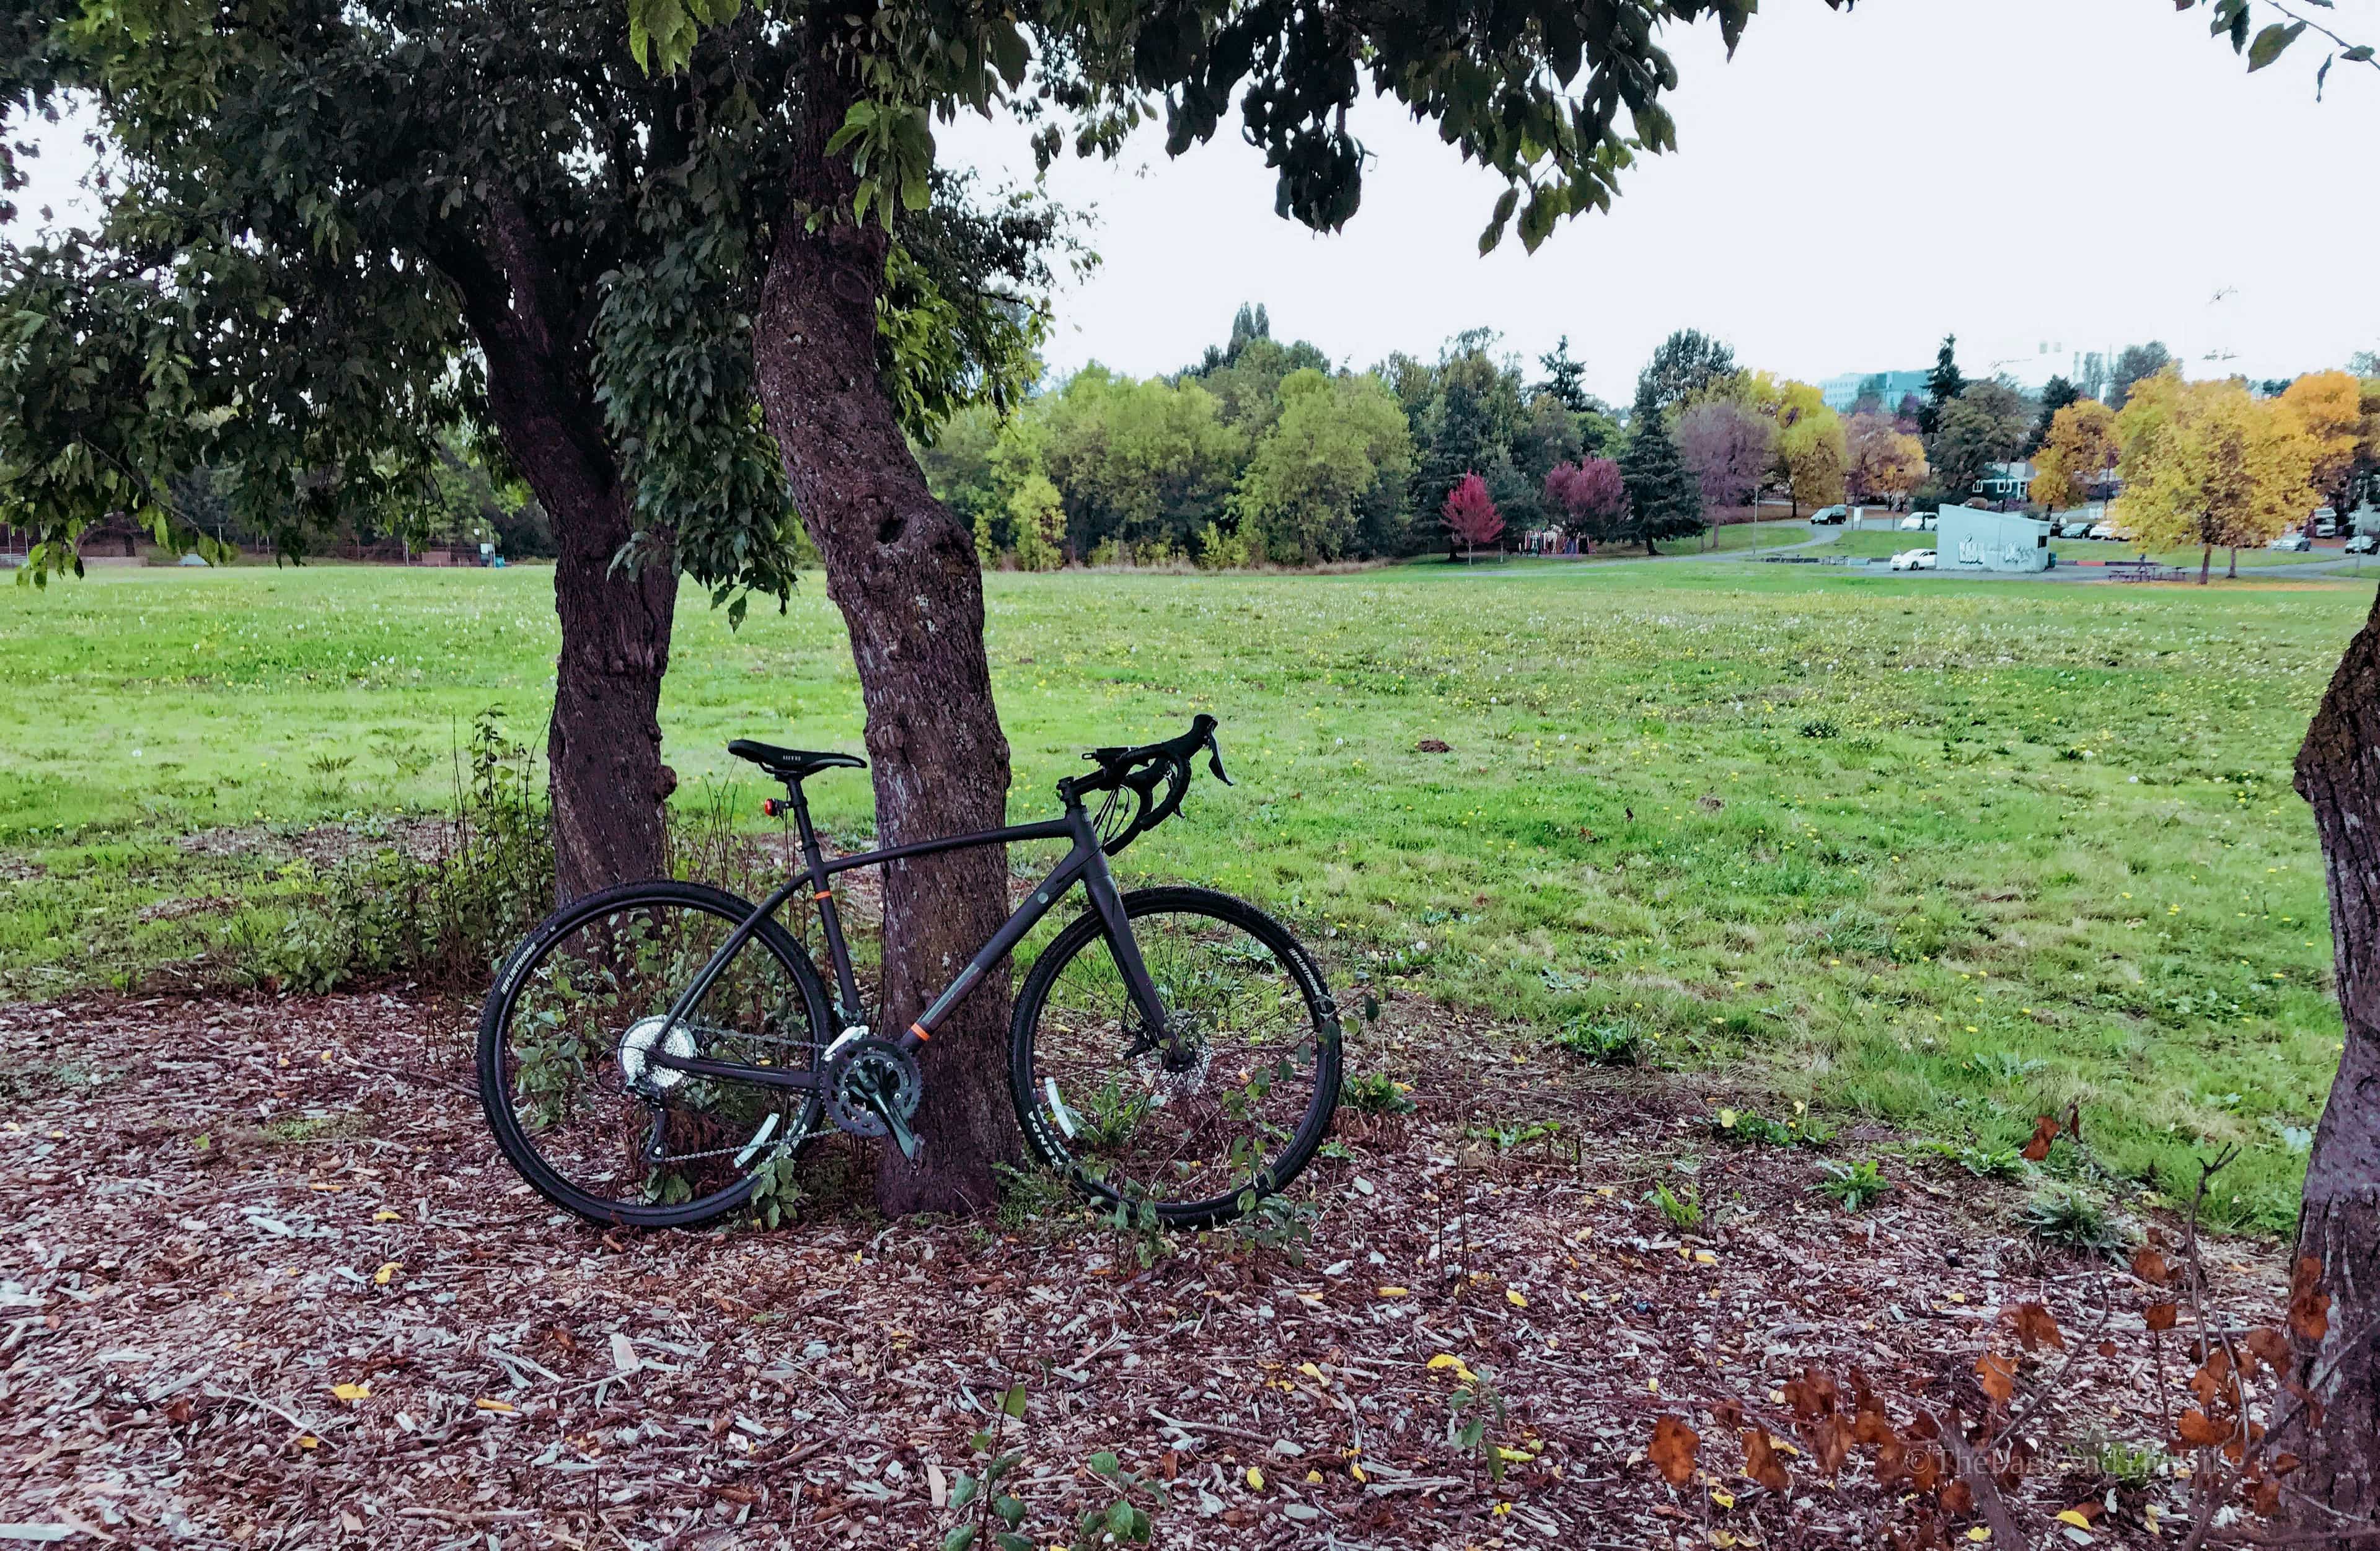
(1969, 538)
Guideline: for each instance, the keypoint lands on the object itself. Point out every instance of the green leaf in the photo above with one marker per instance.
(1495, 232)
(1120, 1519)
(1103, 1463)
(2361, 54)
(959, 1539)
(963, 1491)
(2270, 42)
(1014, 1543)
(1011, 1511)
(1013, 1401)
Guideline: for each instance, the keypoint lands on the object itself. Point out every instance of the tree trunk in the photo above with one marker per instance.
(2233, 575)
(603, 744)
(2205, 563)
(904, 572)
(603, 747)
(2338, 1228)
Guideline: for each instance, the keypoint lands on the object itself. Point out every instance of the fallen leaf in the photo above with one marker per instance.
(2160, 1316)
(351, 1391)
(1512, 1296)
(1673, 1449)
(1760, 1462)
(1255, 1479)
(387, 1272)
(2035, 1328)
(503, 1408)
(384, 1214)
(2069, 1516)
(1393, 1293)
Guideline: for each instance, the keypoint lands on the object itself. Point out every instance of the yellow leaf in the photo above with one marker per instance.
(1357, 1472)
(384, 1214)
(309, 1441)
(503, 1407)
(1727, 1120)
(1255, 1479)
(1310, 1371)
(1512, 1296)
(1393, 1293)
(1314, 1478)
(1445, 1360)
(351, 1391)
(1979, 1532)
(383, 1276)
(1514, 1455)
(1724, 1499)
(2070, 1517)
(1705, 1257)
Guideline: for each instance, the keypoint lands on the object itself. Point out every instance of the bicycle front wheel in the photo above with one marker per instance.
(1226, 1103)
(577, 1106)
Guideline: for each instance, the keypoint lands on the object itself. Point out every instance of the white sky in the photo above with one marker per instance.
(2080, 174)
(2083, 174)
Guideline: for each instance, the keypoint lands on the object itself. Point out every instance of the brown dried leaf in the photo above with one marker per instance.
(2270, 1344)
(1760, 1462)
(1871, 1429)
(1956, 1499)
(2197, 1430)
(1997, 1376)
(1925, 1469)
(2160, 1316)
(2266, 1498)
(1812, 1393)
(2035, 1328)
(1830, 1443)
(2309, 1306)
(2045, 1131)
(2150, 1266)
(1673, 1449)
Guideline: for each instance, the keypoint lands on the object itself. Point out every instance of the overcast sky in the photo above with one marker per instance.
(2076, 174)
(2072, 174)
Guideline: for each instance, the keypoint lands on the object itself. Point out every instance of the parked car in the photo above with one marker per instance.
(1828, 516)
(2101, 530)
(1915, 559)
(2362, 543)
(2296, 544)
(1913, 523)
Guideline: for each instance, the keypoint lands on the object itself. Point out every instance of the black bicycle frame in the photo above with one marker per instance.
(1084, 862)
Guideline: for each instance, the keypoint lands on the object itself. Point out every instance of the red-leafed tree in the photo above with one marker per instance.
(1588, 498)
(1471, 516)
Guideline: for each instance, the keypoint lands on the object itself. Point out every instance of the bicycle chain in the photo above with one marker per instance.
(810, 1044)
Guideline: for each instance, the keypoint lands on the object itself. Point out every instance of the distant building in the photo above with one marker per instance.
(1966, 538)
(1890, 387)
(2005, 481)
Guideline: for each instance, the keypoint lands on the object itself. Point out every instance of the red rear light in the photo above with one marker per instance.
(771, 806)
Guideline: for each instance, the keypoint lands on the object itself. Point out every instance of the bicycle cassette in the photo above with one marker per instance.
(853, 1067)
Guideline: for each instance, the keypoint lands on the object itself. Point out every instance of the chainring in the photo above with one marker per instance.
(847, 1060)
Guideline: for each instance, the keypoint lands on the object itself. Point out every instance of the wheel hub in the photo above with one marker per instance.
(1177, 1062)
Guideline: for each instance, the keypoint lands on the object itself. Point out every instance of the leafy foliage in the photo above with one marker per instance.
(1470, 514)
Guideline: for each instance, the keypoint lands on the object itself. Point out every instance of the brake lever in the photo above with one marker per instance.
(1215, 759)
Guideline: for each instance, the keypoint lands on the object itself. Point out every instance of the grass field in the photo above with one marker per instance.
(1945, 853)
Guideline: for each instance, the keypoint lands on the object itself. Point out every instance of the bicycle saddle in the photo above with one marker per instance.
(792, 764)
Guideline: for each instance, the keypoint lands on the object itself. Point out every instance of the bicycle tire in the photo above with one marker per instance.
(1049, 1121)
(520, 970)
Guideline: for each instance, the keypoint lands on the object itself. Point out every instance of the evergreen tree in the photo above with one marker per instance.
(1664, 501)
(1566, 378)
(2056, 394)
(1944, 383)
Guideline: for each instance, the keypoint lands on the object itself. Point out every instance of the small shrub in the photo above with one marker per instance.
(1682, 1206)
(2131, 1467)
(1984, 1163)
(1821, 727)
(1376, 1093)
(1856, 1185)
(2075, 1220)
(1513, 1133)
(1747, 1128)
(1617, 1043)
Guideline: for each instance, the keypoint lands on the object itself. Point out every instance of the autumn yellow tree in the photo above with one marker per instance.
(2080, 451)
(2329, 408)
(2206, 464)
(1811, 454)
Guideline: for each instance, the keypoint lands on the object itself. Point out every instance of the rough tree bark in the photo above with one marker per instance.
(904, 572)
(2339, 1226)
(604, 743)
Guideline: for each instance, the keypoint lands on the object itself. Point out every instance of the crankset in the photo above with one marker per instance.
(872, 1088)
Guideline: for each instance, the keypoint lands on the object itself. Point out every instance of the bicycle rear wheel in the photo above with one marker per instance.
(575, 1104)
(1224, 1105)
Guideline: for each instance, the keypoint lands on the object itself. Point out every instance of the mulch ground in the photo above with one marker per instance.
(217, 1211)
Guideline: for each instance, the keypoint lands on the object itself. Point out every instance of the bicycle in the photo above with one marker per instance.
(650, 1052)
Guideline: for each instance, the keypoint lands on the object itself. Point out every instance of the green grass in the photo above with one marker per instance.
(1943, 853)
